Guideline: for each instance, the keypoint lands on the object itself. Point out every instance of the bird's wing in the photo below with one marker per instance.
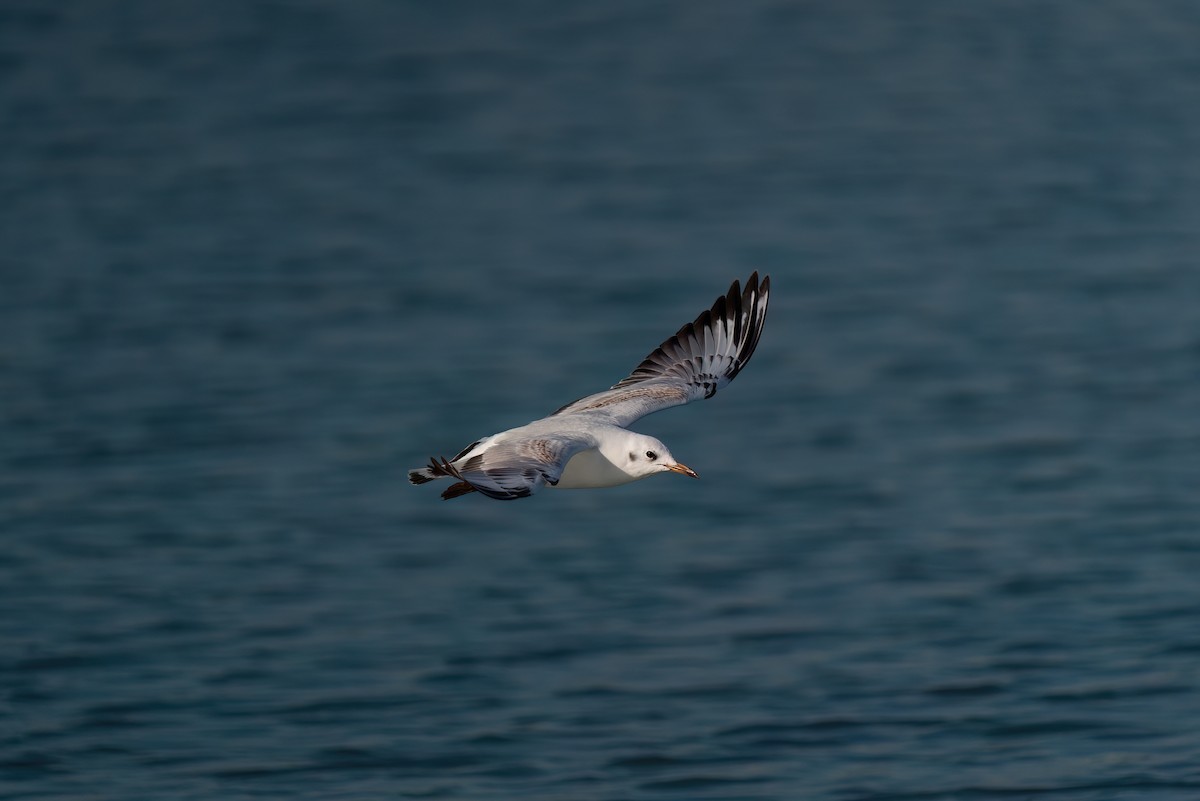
(514, 467)
(702, 357)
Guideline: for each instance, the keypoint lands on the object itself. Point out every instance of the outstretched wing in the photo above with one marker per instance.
(702, 357)
(509, 468)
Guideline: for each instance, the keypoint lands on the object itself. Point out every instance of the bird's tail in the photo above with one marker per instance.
(424, 475)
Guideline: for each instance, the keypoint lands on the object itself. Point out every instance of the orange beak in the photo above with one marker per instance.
(682, 469)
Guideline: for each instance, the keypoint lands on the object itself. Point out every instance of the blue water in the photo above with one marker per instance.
(259, 259)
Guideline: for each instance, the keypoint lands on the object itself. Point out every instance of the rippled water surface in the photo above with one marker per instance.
(259, 259)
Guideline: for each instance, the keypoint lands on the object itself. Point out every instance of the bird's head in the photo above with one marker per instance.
(646, 456)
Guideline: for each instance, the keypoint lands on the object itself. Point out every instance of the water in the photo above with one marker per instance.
(258, 260)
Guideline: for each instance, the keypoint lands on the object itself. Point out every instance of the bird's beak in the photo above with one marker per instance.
(682, 468)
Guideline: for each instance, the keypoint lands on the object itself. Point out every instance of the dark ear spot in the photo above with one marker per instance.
(632, 456)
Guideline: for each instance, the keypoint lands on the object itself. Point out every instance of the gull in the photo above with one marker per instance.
(586, 444)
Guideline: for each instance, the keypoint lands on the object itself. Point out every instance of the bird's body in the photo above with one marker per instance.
(586, 444)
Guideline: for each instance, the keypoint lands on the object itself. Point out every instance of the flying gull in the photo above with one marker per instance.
(586, 443)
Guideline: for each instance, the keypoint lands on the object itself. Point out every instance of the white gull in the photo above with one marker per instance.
(586, 443)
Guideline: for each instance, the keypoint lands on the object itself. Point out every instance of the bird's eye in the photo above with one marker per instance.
(651, 455)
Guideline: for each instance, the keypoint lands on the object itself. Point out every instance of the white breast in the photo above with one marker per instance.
(591, 469)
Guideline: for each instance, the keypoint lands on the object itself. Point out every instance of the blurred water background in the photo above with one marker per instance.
(257, 259)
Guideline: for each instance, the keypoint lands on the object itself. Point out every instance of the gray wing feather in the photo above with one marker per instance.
(702, 357)
(514, 468)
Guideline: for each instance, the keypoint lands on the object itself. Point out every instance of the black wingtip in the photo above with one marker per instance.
(756, 297)
(457, 490)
